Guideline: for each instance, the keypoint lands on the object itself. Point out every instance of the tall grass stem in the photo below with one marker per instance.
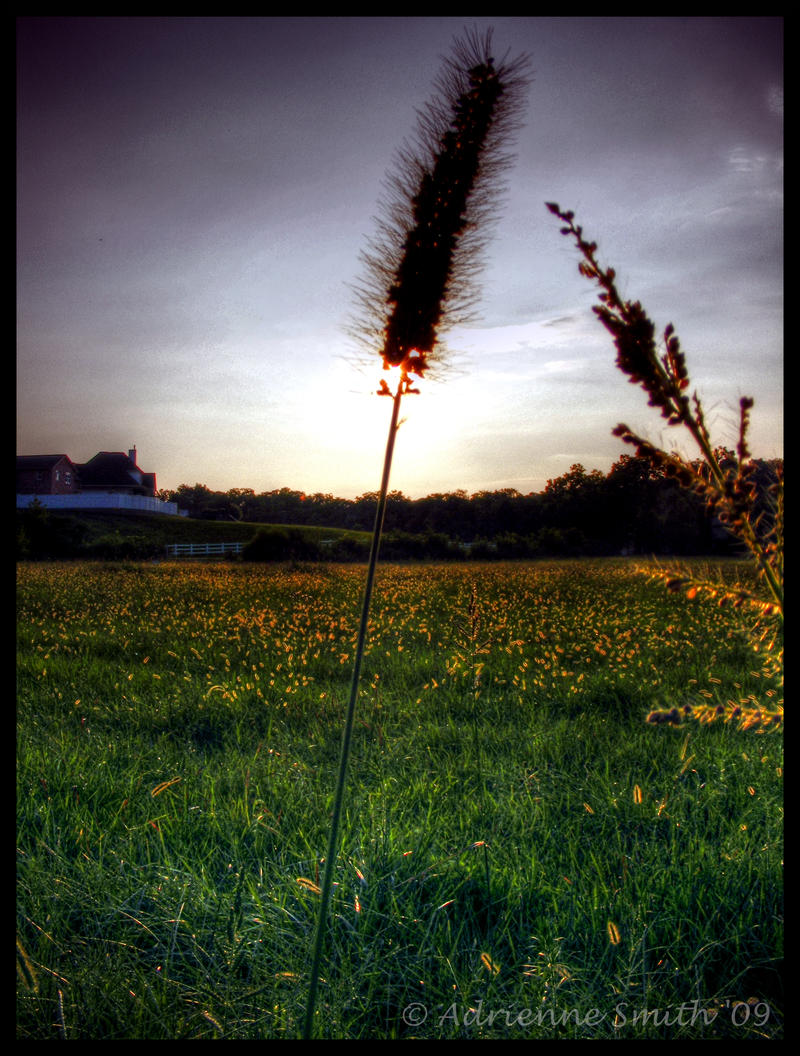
(347, 736)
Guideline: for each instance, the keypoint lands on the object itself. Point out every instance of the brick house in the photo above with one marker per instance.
(46, 475)
(109, 471)
(111, 480)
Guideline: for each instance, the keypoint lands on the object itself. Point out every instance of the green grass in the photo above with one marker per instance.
(522, 856)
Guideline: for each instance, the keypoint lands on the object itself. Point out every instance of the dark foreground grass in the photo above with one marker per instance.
(522, 856)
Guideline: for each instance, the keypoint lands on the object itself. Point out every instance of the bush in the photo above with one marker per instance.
(115, 546)
(280, 544)
(347, 548)
(40, 536)
(406, 546)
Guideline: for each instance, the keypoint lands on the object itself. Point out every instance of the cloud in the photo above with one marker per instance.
(741, 159)
(775, 99)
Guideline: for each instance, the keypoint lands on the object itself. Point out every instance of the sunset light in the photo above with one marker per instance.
(186, 272)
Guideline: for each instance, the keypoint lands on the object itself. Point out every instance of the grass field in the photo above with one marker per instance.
(523, 856)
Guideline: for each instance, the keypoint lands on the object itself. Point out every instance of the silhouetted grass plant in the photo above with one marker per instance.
(725, 479)
(417, 283)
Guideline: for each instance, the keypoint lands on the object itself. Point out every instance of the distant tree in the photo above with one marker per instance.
(651, 513)
(575, 501)
(192, 497)
(638, 507)
(241, 503)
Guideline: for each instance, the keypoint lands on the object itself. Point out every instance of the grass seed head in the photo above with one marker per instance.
(419, 269)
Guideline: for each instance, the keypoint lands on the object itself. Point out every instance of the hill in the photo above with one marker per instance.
(88, 534)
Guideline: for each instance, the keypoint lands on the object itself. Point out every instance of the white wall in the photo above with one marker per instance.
(101, 501)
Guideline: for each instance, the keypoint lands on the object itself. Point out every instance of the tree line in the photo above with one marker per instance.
(635, 508)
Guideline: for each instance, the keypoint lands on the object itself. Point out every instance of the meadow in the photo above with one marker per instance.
(523, 855)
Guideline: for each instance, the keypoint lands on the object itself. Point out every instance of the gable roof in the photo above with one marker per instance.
(33, 462)
(110, 469)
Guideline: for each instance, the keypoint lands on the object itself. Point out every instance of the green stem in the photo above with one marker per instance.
(333, 839)
(746, 532)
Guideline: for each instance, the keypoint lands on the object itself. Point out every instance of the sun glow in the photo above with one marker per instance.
(391, 376)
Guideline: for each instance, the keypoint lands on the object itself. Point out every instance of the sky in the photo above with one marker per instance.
(194, 194)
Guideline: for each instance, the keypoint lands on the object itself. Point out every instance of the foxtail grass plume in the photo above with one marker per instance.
(417, 277)
(420, 268)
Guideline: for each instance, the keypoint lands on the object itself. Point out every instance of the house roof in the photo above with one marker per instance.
(41, 461)
(113, 468)
(108, 469)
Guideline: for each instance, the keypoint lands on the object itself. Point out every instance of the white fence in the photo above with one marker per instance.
(202, 549)
(101, 501)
